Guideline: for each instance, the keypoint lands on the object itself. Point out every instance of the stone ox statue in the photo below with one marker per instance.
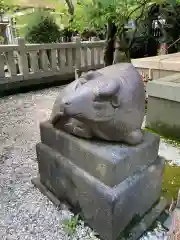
(107, 104)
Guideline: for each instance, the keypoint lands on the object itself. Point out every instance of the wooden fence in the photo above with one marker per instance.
(33, 61)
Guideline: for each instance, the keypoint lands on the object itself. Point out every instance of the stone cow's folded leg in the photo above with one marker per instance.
(135, 137)
(83, 132)
(79, 129)
(56, 118)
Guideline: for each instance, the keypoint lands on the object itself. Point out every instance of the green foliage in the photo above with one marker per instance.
(96, 14)
(5, 7)
(42, 28)
(171, 180)
(170, 31)
(70, 225)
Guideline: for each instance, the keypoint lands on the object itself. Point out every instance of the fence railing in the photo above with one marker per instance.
(26, 61)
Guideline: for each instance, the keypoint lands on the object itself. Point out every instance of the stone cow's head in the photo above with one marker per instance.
(94, 100)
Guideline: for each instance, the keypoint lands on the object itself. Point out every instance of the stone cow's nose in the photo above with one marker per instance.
(66, 102)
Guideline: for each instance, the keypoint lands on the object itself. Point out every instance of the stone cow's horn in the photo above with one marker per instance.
(109, 90)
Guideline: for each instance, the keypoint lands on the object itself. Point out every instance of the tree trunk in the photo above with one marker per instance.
(122, 52)
(71, 12)
(70, 7)
(110, 39)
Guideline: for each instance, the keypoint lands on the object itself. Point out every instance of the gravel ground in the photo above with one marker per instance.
(24, 212)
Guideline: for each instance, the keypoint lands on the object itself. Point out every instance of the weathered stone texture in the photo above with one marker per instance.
(111, 163)
(126, 185)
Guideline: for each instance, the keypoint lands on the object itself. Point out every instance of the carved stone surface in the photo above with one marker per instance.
(107, 104)
(108, 183)
(108, 210)
(111, 163)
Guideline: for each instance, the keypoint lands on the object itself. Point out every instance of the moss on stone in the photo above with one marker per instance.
(171, 177)
(171, 136)
(171, 181)
(169, 131)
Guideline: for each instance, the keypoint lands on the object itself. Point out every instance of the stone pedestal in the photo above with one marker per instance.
(109, 183)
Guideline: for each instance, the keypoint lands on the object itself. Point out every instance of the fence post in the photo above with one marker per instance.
(150, 74)
(23, 60)
(78, 58)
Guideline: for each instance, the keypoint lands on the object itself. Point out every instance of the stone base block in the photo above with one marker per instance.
(108, 210)
(132, 232)
(111, 163)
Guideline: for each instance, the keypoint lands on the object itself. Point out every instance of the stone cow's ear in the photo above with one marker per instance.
(85, 77)
(92, 75)
(82, 80)
(109, 90)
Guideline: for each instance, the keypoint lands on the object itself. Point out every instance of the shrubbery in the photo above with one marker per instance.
(42, 28)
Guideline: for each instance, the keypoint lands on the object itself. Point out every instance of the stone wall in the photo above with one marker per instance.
(158, 66)
(163, 110)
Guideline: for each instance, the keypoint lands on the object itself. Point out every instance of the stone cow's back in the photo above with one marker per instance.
(130, 114)
(125, 71)
(132, 90)
(115, 70)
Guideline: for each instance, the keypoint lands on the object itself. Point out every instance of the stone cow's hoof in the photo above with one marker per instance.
(135, 137)
(79, 130)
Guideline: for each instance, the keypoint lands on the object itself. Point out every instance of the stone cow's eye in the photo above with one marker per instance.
(99, 105)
